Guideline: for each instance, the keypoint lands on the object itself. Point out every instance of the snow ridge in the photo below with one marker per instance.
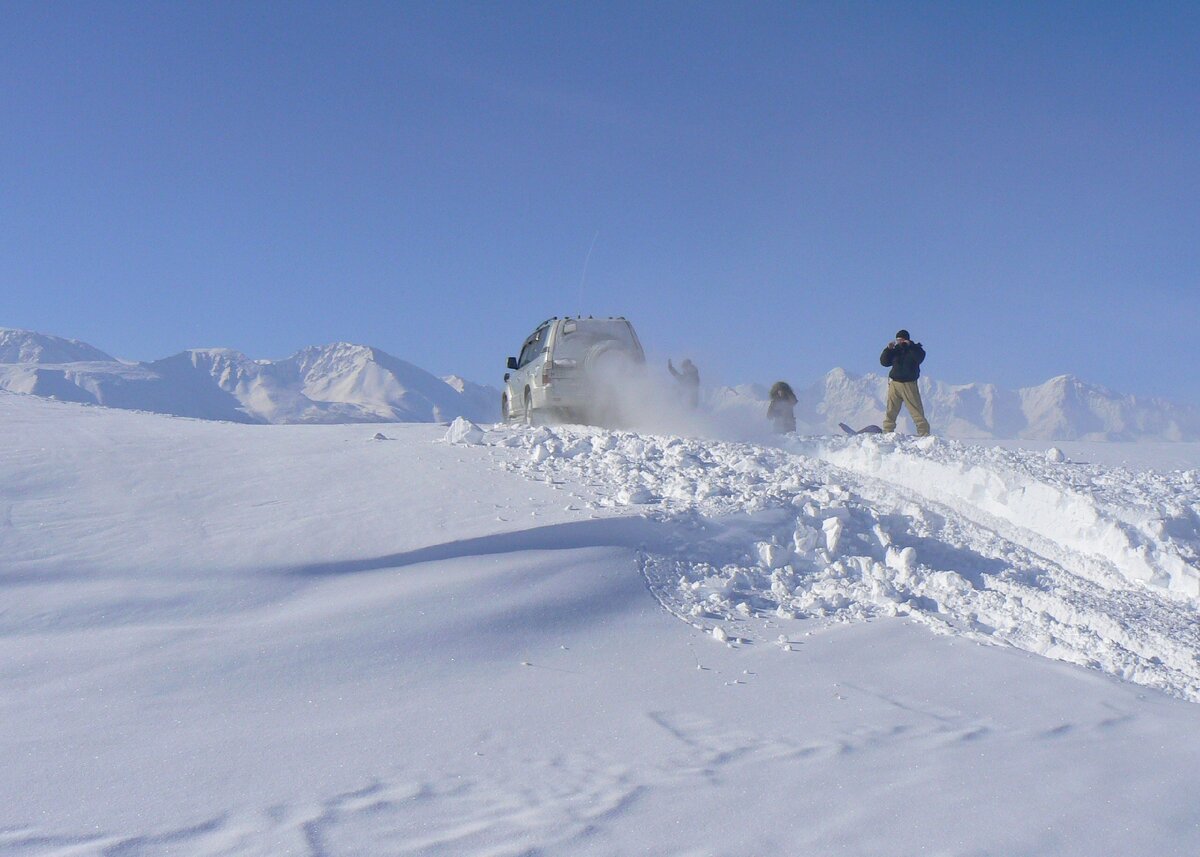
(1085, 564)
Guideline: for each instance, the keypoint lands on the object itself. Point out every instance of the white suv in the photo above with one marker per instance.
(572, 370)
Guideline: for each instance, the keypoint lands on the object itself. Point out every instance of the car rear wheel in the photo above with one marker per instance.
(528, 409)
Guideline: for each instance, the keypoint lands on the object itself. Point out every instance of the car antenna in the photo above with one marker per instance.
(583, 277)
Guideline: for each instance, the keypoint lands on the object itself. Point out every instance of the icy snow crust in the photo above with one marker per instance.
(1086, 564)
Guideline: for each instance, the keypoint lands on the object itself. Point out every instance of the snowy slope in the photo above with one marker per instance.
(335, 383)
(262, 640)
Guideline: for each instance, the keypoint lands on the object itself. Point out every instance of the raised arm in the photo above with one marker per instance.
(889, 355)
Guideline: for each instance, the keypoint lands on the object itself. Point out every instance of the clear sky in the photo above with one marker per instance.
(772, 188)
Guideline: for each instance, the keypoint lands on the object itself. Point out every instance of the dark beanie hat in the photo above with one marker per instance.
(902, 334)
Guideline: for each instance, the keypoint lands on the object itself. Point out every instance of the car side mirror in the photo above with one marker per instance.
(506, 376)
(512, 363)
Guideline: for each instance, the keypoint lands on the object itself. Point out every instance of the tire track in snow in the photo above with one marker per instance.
(1066, 614)
(1109, 524)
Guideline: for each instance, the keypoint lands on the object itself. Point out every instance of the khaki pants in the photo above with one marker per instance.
(908, 393)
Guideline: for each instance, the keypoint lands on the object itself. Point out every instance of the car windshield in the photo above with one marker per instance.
(577, 336)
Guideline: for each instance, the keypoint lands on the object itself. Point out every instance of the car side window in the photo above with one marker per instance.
(525, 350)
(533, 347)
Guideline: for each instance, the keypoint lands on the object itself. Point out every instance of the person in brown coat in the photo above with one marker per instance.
(781, 412)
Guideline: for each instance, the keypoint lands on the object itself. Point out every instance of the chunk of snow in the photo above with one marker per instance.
(772, 555)
(634, 496)
(901, 560)
(833, 533)
(804, 539)
(463, 431)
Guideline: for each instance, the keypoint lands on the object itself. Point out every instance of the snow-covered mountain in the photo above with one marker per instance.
(344, 383)
(338, 383)
(1063, 408)
(24, 346)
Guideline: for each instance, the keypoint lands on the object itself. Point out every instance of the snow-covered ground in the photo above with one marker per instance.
(222, 639)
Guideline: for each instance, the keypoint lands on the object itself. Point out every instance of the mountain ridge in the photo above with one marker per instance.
(336, 383)
(345, 382)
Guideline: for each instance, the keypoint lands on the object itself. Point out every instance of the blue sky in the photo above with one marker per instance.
(773, 189)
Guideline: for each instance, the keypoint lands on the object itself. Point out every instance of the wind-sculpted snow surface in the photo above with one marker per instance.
(1085, 564)
(253, 640)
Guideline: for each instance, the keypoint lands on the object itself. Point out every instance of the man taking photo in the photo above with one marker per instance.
(904, 356)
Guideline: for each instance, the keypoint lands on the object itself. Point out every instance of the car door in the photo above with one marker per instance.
(527, 365)
(518, 379)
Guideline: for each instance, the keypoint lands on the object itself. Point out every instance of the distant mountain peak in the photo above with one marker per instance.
(341, 349)
(334, 383)
(226, 353)
(221, 356)
(27, 346)
(335, 356)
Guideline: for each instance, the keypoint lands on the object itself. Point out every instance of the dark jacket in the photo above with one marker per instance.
(905, 359)
(781, 410)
